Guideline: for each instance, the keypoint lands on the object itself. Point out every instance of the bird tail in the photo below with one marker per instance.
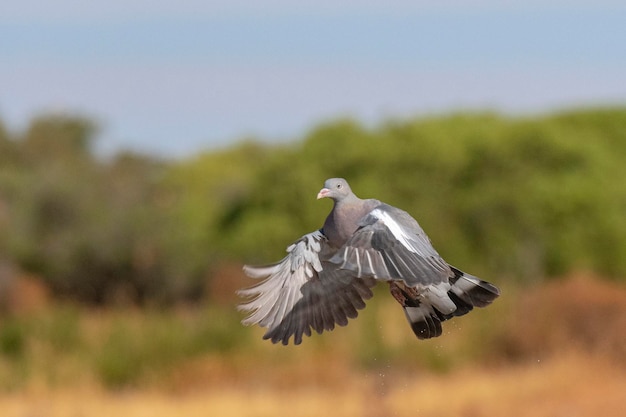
(425, 311)
(468, 291)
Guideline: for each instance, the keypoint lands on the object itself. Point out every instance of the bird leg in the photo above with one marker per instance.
(406, 296)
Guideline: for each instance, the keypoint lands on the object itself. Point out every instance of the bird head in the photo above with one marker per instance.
(335, 188)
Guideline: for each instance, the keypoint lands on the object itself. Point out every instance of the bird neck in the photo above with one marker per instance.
(342, 220)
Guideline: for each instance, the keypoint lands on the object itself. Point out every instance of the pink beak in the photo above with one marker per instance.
(323, 193)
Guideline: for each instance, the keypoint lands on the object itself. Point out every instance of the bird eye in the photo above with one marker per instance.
(338, 186)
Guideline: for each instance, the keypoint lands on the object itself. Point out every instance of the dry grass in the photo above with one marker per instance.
(553, 350)
(581, 312)
(571, 385)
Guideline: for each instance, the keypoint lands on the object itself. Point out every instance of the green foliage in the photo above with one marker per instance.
(61, 329)
(119, 361)
(508, 198)
(517, 199)
(117, 348)
(12, 339)
(130, 347)
(151, 345)
(96, 231)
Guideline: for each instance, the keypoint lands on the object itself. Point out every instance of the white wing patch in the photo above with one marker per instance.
(394, 228)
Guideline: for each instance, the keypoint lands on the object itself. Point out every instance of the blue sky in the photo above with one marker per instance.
(172, 78)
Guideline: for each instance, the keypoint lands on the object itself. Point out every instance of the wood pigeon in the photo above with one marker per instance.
(328, 274)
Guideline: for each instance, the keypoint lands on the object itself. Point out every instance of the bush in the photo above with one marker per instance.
(12, 339)
(581, 314)
(520, 199)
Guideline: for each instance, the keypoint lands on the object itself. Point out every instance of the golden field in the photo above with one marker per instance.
(572, 385)
(554, 350)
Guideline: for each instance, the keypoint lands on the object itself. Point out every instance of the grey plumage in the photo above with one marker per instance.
(328, 274)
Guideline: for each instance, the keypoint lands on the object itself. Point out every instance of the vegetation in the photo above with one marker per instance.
(512, 199)
(126, 246)
(62, 346)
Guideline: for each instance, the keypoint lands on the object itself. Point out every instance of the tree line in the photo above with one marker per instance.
(509, 198)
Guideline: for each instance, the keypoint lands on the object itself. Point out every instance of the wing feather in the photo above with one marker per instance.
(303, 292)
(390, 245)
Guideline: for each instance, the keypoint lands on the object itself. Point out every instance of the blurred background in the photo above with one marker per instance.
(148, 149)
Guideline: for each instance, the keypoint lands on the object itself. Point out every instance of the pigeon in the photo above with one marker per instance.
(328, 274)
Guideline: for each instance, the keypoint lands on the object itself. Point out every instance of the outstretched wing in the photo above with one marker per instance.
(302, 292)
(390, 245)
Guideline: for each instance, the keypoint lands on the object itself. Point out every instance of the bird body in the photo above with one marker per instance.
(343, 220)
(328, 274)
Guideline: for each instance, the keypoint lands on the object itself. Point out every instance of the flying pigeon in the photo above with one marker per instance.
(328, 274)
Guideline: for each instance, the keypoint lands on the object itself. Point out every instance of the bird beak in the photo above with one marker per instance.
(323, 193)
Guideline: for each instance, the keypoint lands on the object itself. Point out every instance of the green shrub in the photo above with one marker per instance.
(12, 338)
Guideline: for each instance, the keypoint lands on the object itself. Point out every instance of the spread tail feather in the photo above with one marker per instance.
(472, 290)
(421, 307)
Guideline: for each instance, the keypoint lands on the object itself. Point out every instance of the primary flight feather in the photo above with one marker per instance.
(328, 274)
